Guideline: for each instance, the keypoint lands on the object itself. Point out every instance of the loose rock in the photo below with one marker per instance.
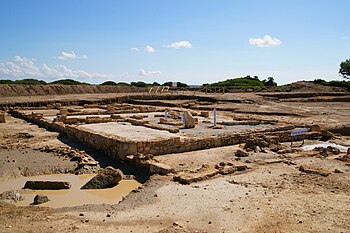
(106, 178)
(313, 170)
(40, 199)
(47, 185)
(241, 153)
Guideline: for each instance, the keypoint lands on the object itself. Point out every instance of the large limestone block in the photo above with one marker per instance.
(106, 178)
(47, 185)
(190, 122)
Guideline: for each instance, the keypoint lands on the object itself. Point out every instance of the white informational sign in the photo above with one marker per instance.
(299, 132)
(174, 84)
(214, 116)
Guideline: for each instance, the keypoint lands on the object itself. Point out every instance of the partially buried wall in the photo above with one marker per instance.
(119, 147)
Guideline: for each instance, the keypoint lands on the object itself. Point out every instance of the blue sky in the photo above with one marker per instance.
(193, 41)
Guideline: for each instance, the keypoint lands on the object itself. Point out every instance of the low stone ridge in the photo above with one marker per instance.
(313, 170)
(106, 178)
(50, 185)
(40, 199)
(150, 163)
(207, 171)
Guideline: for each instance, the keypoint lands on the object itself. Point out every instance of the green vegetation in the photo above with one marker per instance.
(69, 82)
(109, 83)
(333, 83)
(344, 69)
(243, 82)
(140, 84)
(24, 81)
(123, 84)
(179, 84)
(270, 82)
(112, 83)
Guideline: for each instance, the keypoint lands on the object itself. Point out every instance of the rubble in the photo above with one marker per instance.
(12, 195)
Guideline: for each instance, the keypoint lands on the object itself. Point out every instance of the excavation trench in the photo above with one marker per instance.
(73, 196)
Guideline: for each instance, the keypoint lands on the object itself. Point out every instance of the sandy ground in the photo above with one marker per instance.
(271, 196)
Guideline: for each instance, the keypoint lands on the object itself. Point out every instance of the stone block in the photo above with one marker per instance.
(2, 117)
(190, 122)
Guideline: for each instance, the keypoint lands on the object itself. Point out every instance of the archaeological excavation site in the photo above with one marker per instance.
(127, 159)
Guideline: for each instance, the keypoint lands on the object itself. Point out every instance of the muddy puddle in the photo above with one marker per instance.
(73, 196)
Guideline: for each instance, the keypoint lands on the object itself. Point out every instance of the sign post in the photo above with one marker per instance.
(183, 120)
(296, 132)
(166, 114)
(214, 116)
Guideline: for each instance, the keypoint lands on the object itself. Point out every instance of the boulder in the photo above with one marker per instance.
(241, 153)
(105, 178)
(204, 114)
(40, 199)
(54, 185)
(315, 128)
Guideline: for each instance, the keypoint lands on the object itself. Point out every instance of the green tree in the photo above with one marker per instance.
(345, 69)
(69, 82)
(270, 82)
(109, 83)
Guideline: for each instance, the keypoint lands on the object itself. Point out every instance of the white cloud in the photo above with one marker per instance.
(144, 73)
(149, 49)
(266, 41)
(72, 55)
(135, 50)
(180, 44)
(22, 67)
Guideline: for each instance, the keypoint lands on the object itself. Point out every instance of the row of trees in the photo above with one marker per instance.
(247, 81)
(143, 84)
(75, 82)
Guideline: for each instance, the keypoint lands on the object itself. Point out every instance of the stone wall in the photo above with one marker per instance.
(2, 117)
(119, 147)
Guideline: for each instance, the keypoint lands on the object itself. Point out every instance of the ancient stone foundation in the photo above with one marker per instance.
(2, 117)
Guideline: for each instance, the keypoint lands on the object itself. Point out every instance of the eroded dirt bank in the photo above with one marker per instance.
(33, 90)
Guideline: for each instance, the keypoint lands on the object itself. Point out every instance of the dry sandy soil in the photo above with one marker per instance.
(272, 195)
